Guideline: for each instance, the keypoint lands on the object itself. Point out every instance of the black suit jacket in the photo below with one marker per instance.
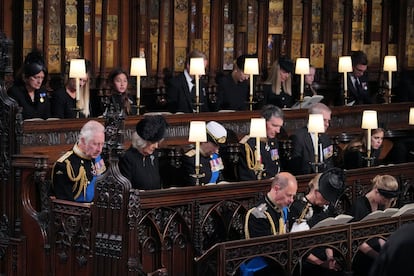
(303, 153)
(181, 99)
(358, 93)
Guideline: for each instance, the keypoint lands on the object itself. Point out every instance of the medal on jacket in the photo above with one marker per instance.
(42, 97)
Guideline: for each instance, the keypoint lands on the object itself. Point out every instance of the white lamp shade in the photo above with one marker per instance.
(302, 66)
(258, 127)
(411, 118)
(315, 123)
(138, 67)
(369, 119)
(251, 66)
(390, 63)
(198, 131)
(197, 66)
(77, 68)
(345, 64)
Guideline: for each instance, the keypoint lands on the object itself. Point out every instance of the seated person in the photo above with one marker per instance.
(267, 218)
(28, 90)
(64, 102)
(309, 85)
(354, 154)
(382, 195)
(74, 173)
(277, 89)
(120, 98)
(140, 162)
(318, 204)
(211, 164)
(233, 89)
(303, 153)
(181, 90)
(269, 148)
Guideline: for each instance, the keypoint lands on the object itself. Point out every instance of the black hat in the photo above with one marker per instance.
(331, 184)
(152, 128)
(216, 133)
(34, 64)
(286, 64)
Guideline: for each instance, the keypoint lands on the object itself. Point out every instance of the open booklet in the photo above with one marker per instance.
(380, 214)
(339, 219)
(308, 101)
(391, 212)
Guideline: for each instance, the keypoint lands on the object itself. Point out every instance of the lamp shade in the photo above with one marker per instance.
(251, 66)
(138, 67)
(198, 131)
(369, 119)
(258, 127)
(345, 64)
(197, 66)
(315, 123)
(77, 68)
(411, 118)
(390, 63)
(302, 66)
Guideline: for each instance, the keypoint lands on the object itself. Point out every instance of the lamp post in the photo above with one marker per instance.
(251, 68)
(258, 130)
(197, 134)
(369, 122)
(302, 69)
(77, 70)
(345, 66)
(197, 68)
(316, 126)
(138, 69)
(390, 65)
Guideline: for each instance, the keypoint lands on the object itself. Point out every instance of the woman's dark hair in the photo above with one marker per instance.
(125, 96)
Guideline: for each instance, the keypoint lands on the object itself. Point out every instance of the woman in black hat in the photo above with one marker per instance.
(277, 89)
(382, 195)
(140, 162)
(325, 189)
(28, 88)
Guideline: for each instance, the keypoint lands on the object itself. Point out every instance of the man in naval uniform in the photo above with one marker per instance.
(74, 173)
(269, 148)
(211, 164)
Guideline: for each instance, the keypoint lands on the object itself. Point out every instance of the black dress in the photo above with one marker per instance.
(283, 100)
(232, 95)
(63, 105)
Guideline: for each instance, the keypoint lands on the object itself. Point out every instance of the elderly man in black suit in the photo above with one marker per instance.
(303, 153)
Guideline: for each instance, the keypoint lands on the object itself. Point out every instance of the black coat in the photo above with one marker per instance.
(38, 108)
(232, 95)
(63, 105)
(142, 171)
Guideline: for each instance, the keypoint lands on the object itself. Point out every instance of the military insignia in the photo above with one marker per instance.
(259, 211)
(274, 153)
(65, 156)
(328, 152)
(42, 100)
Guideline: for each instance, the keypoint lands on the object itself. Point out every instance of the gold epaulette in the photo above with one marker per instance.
(65, 156)
(190, 153)
(244, 139)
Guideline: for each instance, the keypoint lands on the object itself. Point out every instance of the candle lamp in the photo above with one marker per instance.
(369, 122)
(197, 68)
(258, 130)
(316, 126)
(251, 68)
(390, 65)
(345, 66)
(138, 69)
(411, 116)
(77, 70)
(302, 69)
(197, 134)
